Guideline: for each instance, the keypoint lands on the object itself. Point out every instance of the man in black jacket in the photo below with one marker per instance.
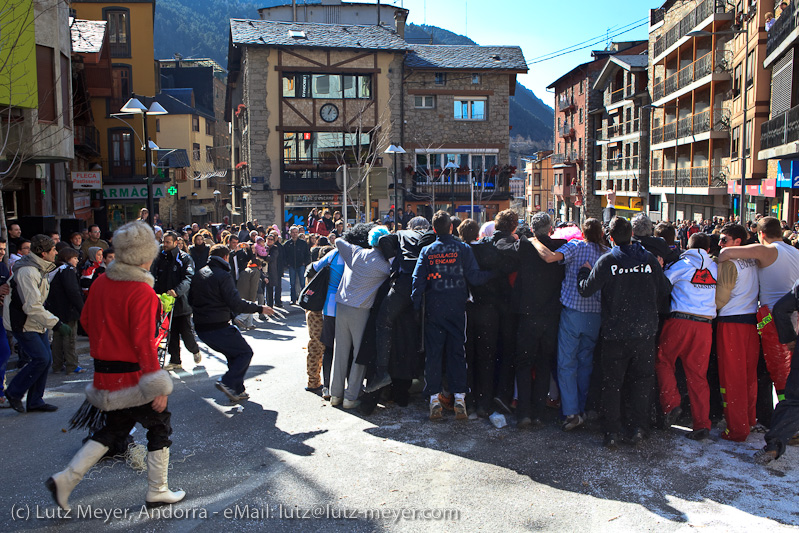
(173, 270)
(296, 257)
(215, 300)
(536, 299)
(633, 289)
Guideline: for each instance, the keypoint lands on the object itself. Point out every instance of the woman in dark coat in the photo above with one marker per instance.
(199, 251)
(66, 302)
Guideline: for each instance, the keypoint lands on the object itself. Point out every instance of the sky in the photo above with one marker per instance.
(539, 27)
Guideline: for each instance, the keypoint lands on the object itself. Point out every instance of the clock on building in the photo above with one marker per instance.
(329, 112)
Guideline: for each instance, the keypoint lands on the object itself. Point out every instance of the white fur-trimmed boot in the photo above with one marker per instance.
(158, 492)
(63, 483)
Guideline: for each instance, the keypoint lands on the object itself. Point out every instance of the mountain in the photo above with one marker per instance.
(200, 28)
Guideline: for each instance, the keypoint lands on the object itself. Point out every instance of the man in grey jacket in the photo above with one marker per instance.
(25, 316)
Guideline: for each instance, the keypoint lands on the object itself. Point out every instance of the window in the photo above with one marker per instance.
(209, 154)
(750, 66)
(475, 79)
(121, 86)
(333, 86)
(209, 127)
(197, 181)
(470, 109)
(118, 31)
(45, 72)
(441, 78)
(581, 113)
(424, 102)
(537, 179)
(195, 123)
(581, 87)
(537, 201)
(736, 81)
(66, 100)
(195, 151)
(208, 183)
(157, 125)
(747, 138)
(735, 141)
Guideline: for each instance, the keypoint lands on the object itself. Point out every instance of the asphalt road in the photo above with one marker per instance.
(286, 461)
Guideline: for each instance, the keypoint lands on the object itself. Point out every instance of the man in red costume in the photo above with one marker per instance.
(129, 385)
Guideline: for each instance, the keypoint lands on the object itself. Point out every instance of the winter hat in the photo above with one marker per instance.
(135, 244)
(93, 252)
(375, 234)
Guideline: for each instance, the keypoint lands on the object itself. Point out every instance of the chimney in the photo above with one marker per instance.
(294, 10)
(378, 12)
(400, 16)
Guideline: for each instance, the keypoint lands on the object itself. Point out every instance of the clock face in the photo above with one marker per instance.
(328, 112)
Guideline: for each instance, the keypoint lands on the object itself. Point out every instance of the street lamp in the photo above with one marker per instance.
(217, 193)
(745, 31)
(676, 107)
(135, 107)
(394, 150)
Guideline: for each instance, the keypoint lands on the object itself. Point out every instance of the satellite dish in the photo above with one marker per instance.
(229, 207)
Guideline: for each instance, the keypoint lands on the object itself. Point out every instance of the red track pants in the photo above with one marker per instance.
(738, 349)
(689, 341)
(777, 356)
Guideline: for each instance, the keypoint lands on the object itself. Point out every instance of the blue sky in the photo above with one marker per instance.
(540, 27)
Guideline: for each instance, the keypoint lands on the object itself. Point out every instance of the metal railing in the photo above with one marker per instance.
(788, 21)
(88, 138)
(617, 130)
(565, 102)
(708, 120)
(782, 129)
(620, 94)
(656, 15)
(482, 189)
(697, 70)
(568, 157)
(615, 163)
(566, 130)
(308, 180)
(699, 176)
(687, 23)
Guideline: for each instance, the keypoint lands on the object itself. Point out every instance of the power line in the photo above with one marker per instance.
(591, 40)
(587, 46)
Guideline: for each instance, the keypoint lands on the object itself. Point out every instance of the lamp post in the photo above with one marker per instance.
(394, 150)
(135, 107)
(698, 33)
(217, 193)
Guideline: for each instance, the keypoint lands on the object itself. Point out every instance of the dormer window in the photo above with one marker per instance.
(297, 34)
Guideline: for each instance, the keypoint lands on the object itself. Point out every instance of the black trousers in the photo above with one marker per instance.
(119, 423)
(785, 421)
(395, 312)
(482, 334)
(632, 360)
(180, 327)
(506, 352)
(536, 348)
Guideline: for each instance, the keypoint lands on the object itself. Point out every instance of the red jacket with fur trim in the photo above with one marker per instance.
(120, 319)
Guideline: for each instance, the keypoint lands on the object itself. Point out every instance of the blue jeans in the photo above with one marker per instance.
(229, 342)
(577, 337)
(296, 275)
(32, 378)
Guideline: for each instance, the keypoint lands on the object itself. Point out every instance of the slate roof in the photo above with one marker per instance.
(276, 33)
(468, 57)
(633, 62)
(87, 36)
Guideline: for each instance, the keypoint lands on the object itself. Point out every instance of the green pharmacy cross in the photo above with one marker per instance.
(172, 190)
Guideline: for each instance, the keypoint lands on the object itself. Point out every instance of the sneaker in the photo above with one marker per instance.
(758, 428)
(671, 417)
(460, 410)
(336, 400)
(764, 456)
(611, 441)
(572, 422)
(243, 396)
(325, 393)
(447, 402)
(698, 434)
(351, 404)
(197, 358)
(436, 411)
(173, 366)
(79, 370)
(261, 317)
(232, 396)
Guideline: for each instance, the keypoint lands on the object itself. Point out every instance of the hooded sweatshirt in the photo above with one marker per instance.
(693, 278)
(634, 290)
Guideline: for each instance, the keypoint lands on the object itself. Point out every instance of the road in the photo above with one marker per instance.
(287, 461)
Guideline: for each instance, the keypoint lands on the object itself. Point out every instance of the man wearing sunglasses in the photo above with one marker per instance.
(737, 343)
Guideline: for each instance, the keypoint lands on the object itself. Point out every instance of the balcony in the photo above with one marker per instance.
(567, 130)
(309, 181)
(704, 66)
(87, 140)
(656, 16)
(688, 23)
(569, 158)
(483, 189)
(614, 164)
(621, 94)
(783, 28)
(705, 176)
(706, 121)
(566, 103)
(130, 170)
(778, 132)
(566, 191)
(619, 130)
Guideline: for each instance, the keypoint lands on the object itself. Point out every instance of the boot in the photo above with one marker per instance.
(158, 492)
(380, 380)
(62, 483)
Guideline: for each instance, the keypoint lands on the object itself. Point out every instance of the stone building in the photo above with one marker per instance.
(622, 134)
(304, 99)
(455, 112)
(540, 179)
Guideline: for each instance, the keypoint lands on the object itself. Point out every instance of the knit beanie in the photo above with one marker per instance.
(135, 244)
(93, 252)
